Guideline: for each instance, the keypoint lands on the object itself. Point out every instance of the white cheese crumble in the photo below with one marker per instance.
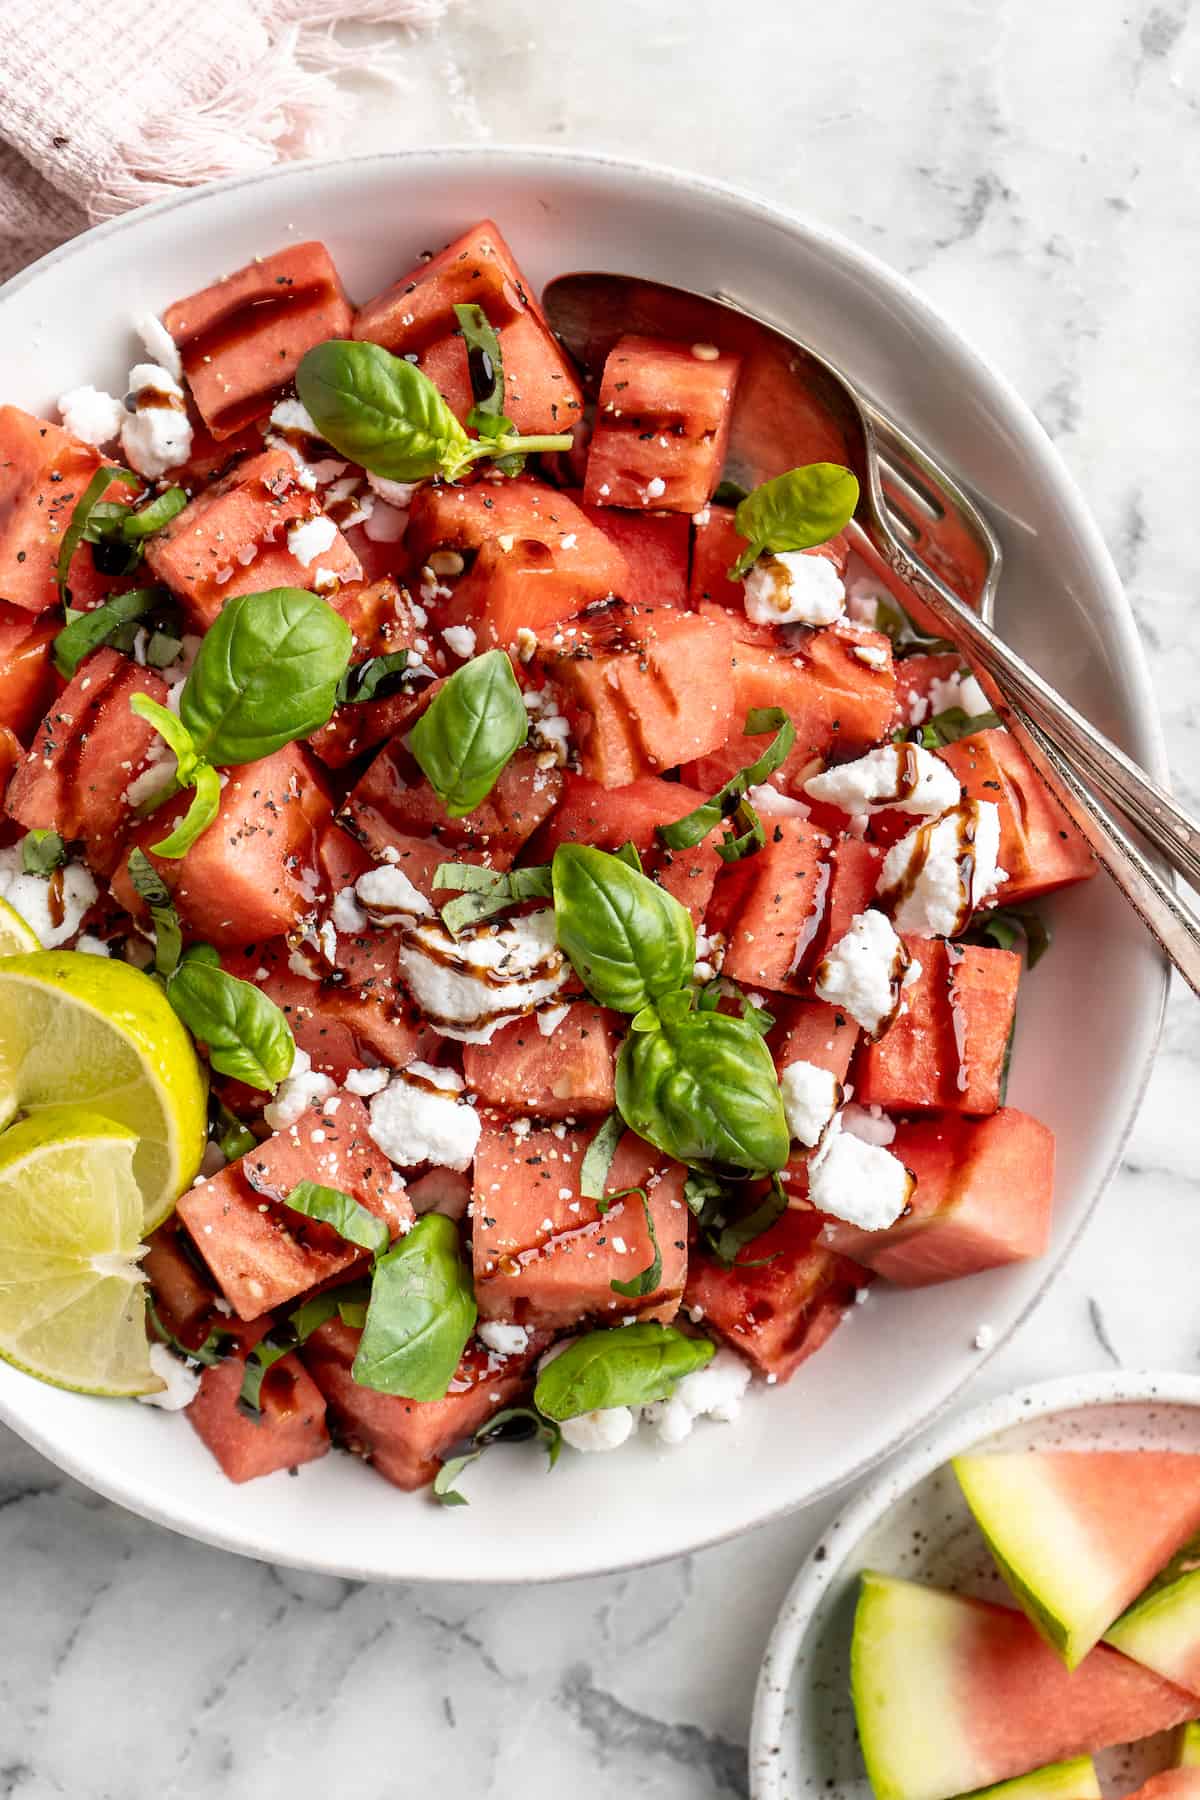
(870, 1123)
(768, 800)
(505, 1340)
(420, 1117)
(387, 894)
(393, 493)
(901, 777)
(606, 1429)
(934, 878)
(984, 1338)
(861, 1183)
(291, 419)
(810, 1099)
(155, 437)
(87, 945)
(460, 640)
(714, 1392)
(29, 895)
(182, 1380)
(793, 587)
(366, 1081)
(863, 971)
(655, 489)
(346, 913)
(296, 1092)
(470, 986)
(158, 343)
(310, 538)
(959, 689)
(91, 415)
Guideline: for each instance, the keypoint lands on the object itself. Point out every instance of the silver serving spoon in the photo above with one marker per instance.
(794, 406)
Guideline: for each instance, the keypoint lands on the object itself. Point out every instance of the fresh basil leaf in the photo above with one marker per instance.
(514, 1425)
(907, 637)
(246, 1034)
(949, 726)
(87, 631)
(163, 648)
(729, 801)
(443, 1482)
(597, 1158)
(627, 939)
(421, 1314)
(266, 673)
(383, 413)
(468, 732)
(289, 1335)
(346, 1215)
(631, 1365)
(710, 995)
(1007, 926)
(488, 891)
(139, 525)
(647, 1280)
(226, 1130)
(485, 364)
(703, 1088)
(99, 484)
(208, 1353)
(376, 678)
(725, 1227)
(629, 854)
(206, 804)
(733, 1237)
(42, 852)
(729, 493)
(168, 940)
(795, 511)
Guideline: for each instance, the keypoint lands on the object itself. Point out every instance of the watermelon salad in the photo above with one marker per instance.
(595, 896)
(957, 1696)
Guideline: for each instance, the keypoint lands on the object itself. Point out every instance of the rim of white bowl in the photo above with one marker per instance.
(822, 1568)
(1094, 552)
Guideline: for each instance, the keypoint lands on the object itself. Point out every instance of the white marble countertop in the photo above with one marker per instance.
(1033, 164)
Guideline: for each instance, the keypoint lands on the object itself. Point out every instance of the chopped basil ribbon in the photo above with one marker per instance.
(353, 1221)
(245, 1033)
(232, 1138)
(486, 892)
(485, 365)
(1007, 926)
(421, 1314)
(515, 1425)
(471, 728)
(168, 939)
(796, 511)
(593, 1179)
(209, 1353)
(73, 536)
(381, 412)
(949, 726)
(729, 802)
(42, 852)
(709, 997)
(295, 1330)
(87, 631)
(724, 1229)
(377, 677)
(630, 1365)
(266, 674)
(647, 1280)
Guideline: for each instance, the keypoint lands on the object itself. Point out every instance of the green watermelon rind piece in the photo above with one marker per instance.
(1163, 1624)
(1074, 1780)
(898, 1761)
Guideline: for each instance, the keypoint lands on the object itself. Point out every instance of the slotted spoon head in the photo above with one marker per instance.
(794, 407)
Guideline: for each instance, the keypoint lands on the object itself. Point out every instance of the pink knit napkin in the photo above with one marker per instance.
(103, 110)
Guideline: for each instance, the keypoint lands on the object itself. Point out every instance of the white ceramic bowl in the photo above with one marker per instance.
(886, 1374)
(914, 1522)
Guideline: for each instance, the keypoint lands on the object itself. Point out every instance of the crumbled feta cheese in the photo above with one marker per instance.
(863, 971)
(984, 1338)
(470, 986)
(420, 1117)
(346, 913)
(460, 640)
(526, 643)
(355, 506)
(310, 538)
(394, 493)
(182, 1380)
(714, 1392)
(158, 343)
(810, 1098)
(548, 729)
(290, 420)
(795, 587)
(959, 689)
(505, 1340)
(88, 945)
(29, 895)
(933, 879)
(549, 1018)
(870, 1123)
(91, 415)
(607, 1429)
(655, 489)
(768, 800)
(901, 777)
(297, 1092)
(387, 893)
(861, 1183)
(366, 1081)
(155, 437)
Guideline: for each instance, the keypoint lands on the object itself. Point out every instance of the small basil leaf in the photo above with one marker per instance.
(266, 673)
(733, 1237)
(226, 1130)
(597, 1159)
(685, 833)
(726, 1229)
(1007, 926)
(168, 940)
(949, 726)
(632, 1365)
(376, 678)
(295, 1330)
(209, 1352)
(648, 1279)
(514, 1425)
(795, 511)
(136, 526)
(99, 484)
(87, 631)
(468, 732)
(729, 493)
(907, 637)
(206, 804)
(627, 939)
(629, 853)
(321, 1308)
(443, 1482)
(704, 1089)
(485, 365)
(488, 891)
(42, 852)
(421, 1314)
(381, 412)
(346, 1215)
(246, 1034)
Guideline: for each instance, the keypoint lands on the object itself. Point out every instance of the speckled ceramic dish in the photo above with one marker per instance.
(914, 1522)
(885, 1374)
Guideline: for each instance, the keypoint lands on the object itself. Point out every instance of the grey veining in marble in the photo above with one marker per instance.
(1034, 165)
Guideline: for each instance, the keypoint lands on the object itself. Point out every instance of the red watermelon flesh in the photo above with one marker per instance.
(655, 547)
(1172, 1784)
(289, 1428)
(589, 813)
(392, 801)
(551, 1076)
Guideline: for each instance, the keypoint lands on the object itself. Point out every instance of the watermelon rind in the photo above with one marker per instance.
(904, 1649)
(1161, 1629)
(1074, 1780)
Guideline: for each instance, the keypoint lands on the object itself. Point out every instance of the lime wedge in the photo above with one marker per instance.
(72, 1310)
(89, 1031)
(15, 934)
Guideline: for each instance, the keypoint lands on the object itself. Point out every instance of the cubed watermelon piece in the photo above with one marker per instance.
(88, 749)
(405, 1440)
(43, 473)
(951, 1694)
(289, 1428)
(948, 1050)
(544, 1255)
(254, 873)
(609, 817)
(1077, 1534)
(521, 583)
(662, 425)
(241, 340)
(815, 1032)
(415, 317)
(1040, 849)
(383, 618)
(27, 679)
(465, 514)
(566, 1073)
(261, 1252)
(771, 906)
(644, 689)
(984, 1192)
(655, 546)
(781, 1300)
(393, 801)
(184, 1295)
(232, 539)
